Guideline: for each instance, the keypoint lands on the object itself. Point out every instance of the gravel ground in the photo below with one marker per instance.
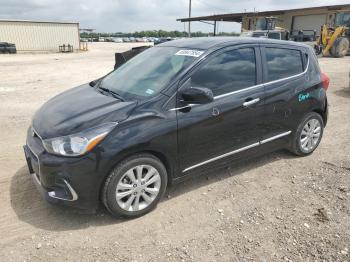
(275, 207)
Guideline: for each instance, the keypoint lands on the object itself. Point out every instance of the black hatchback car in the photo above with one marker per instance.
(175, 110)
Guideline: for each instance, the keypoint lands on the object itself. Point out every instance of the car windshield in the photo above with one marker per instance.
(148, 73)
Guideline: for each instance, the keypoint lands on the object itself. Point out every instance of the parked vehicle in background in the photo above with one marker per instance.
(7, 48)
(175, 110)
(162, 40)
(117, 40)
(303, 35)
(272, 34)
(335, 41)
(132, 39)
(126, 39)
(268, 30)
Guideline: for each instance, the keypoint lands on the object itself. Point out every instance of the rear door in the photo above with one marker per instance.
(284, 77)
(231, 123)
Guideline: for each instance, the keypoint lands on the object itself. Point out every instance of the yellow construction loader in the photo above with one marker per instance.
(334, 41)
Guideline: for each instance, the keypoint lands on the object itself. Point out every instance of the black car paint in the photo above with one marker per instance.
(77, 109)
(180, 135)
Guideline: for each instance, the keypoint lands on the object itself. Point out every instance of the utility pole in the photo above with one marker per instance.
(189, 22)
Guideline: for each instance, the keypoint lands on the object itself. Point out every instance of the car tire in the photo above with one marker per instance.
(308, 135)
(125, 194)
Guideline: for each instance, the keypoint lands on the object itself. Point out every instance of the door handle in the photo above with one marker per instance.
(251, 102)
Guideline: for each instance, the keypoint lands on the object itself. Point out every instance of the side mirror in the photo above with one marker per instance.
(197, 95)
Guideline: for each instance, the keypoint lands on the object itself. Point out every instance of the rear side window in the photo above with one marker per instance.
(227, 72)
(314, 70)
(282, 63)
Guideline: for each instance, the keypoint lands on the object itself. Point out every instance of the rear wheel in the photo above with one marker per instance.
(135, 186)
(340, 47)
(308, 135)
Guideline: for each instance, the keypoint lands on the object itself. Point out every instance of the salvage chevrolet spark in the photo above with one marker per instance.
(179, 109)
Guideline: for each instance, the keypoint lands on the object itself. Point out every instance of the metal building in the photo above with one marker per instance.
(310, 18)
(38, 35)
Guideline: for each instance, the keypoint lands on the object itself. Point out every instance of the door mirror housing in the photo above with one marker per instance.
(197, 95)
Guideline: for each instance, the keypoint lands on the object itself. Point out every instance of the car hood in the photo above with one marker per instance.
(78, 109)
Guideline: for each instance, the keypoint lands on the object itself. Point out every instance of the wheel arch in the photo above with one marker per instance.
(170, 168)
(323, 113)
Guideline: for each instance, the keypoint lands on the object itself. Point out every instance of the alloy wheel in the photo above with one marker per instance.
(310, 135)
(138, 188)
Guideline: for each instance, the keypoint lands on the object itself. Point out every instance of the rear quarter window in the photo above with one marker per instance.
(282, 63)
(314, 70)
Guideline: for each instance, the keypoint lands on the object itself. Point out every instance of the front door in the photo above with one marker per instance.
(231, 123)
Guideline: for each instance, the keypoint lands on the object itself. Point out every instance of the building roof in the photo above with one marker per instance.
(205, 43)
(237, 17)
(36, 21)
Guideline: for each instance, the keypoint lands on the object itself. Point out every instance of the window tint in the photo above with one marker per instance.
(227, 72)
(282, 63)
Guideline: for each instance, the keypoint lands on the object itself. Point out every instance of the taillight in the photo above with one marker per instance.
(325, 81)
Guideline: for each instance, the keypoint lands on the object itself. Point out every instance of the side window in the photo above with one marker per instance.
(314, 70)
(227, 72)
(283, 63)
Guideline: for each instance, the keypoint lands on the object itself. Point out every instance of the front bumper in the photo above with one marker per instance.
(71, 181)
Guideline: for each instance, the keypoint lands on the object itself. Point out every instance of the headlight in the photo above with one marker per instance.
(80, 143)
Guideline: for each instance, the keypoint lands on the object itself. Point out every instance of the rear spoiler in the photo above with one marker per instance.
(121, 58)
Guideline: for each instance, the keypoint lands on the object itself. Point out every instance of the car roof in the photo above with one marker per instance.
(205, 43)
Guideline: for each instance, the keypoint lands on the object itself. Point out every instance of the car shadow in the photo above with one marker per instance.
(31, 208)
(224, 172)
(344, 92)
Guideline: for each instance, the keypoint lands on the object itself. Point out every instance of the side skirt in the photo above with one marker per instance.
(237, 151)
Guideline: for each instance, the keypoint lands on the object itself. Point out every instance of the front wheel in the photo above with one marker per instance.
(135, 186)
(308, 135)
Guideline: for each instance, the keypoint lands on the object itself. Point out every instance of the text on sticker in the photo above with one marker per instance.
(194, 53)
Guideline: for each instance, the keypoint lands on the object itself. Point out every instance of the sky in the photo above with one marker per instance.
(137, 15)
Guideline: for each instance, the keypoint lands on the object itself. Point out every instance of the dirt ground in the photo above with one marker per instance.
(275, 207)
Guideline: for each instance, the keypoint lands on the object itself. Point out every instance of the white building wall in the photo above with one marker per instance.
(39, 36)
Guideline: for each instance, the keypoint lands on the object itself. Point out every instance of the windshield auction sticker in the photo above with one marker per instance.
(194, 53)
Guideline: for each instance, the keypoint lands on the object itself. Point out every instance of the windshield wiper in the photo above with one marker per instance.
(111, 92)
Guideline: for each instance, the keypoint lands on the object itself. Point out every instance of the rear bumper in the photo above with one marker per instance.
(62, 180)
